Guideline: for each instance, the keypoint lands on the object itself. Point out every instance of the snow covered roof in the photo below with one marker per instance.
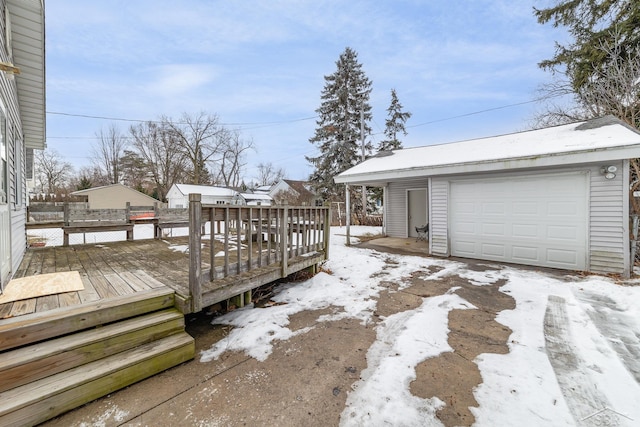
(205, 190)
(597, 140)
(256, 196)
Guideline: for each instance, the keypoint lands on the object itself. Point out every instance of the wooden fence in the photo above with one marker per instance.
(252, 239)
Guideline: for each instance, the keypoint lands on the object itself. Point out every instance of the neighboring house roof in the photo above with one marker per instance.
(205, 190)
(27, 35)
(256, 196)
(87, 191)
(597, 140)
(263, 189)
(301, 187)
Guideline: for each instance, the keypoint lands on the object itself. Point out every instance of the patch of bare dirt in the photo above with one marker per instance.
(452, 376)
(306, 379)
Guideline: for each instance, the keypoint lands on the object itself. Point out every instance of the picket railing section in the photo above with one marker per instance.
(252, 237)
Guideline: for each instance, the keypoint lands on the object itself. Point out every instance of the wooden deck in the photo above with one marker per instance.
(107, 270)
(113, 269)
(60, 351)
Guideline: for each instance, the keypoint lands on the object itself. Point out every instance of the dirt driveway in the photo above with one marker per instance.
(306, 379)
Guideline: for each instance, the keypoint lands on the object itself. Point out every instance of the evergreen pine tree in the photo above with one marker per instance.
(394, 125)
(338, 132)
(202, 176)
(591, 25)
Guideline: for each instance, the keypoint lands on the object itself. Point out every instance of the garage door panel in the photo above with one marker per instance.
(537, 220)
(466, 227)
(495, 230)
(524, 231)
(493, 250)
(561, 258)
(562, 209)
(565, 232)
(525, 208)
(493, 208)
(465, 248)
(526, 254)
(465, 207)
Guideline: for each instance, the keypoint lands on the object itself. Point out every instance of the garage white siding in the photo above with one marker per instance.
(396, 209)
(536, 220)
(609, 221)
(438, 220)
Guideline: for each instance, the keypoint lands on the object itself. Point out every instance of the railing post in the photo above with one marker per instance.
(284, 244)
(65, 235)
(195, 251)
(327, 231)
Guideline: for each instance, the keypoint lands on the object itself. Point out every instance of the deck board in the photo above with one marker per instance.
(89, 293)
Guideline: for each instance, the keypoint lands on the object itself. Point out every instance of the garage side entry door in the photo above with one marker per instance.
(536, 220)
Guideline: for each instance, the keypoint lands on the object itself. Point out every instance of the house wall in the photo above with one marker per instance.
(608, 201)
(15, 151)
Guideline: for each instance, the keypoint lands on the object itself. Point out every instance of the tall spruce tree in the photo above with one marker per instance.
(394, 125)
(338, 128)
(591, 24)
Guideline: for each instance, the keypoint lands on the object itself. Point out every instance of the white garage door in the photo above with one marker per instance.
(534, 220)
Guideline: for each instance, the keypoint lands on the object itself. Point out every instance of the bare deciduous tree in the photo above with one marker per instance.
(613, 90)
(52, 172)
(164, 158)
(108, 151)
(231, 165)
(199, 138)
(268, 174)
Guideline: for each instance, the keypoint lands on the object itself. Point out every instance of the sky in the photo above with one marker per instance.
(463, 69)
(522, 387)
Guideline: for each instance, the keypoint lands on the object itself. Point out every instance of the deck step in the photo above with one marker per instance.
(41, 400)
(31, 363)
(22, 330)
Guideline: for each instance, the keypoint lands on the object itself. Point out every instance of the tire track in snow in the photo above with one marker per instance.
(581, 394)
(613, 323)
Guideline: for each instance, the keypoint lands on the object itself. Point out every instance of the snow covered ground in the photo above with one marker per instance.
(574, 354)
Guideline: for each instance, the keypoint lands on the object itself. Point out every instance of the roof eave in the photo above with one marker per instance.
(28, 45)
(549, 160)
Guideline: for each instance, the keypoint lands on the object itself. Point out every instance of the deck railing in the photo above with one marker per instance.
(250, 238)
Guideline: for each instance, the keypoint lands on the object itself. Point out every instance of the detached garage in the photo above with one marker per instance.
(555, 197)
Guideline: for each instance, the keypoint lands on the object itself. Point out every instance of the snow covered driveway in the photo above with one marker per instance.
(573, 349)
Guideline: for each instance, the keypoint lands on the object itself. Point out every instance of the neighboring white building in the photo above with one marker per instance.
(178, 195)
(22, 120)
(555, 197)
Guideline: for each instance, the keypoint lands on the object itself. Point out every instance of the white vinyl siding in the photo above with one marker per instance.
(15, 150)
(608, 216)
(438, 222)
(396, 209)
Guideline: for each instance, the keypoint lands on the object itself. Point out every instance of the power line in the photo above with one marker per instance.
(484, 111)
(87, 116)
(258, 125)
